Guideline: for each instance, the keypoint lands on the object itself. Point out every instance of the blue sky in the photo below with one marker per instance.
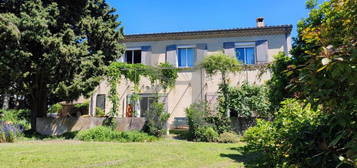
(153, 16)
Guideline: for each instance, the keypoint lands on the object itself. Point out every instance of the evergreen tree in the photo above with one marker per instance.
(55, 50)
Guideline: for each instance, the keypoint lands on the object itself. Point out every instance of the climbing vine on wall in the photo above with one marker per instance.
(165, 75)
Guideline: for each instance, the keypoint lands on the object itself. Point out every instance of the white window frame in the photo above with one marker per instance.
(132, 49)
(184, 47)
(152, 95)
(246, 45)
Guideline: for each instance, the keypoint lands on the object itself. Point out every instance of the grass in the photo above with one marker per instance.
(161, 154)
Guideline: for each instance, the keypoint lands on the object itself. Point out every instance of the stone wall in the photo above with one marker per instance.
(59, 126)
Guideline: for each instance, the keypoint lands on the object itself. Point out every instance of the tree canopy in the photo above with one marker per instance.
(54, 50)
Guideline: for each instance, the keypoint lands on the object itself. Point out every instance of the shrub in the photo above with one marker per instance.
(9, 132)
(82, 108)
(156, 119)
(228, 137)
(55, 108)
(290, 139)
(196, 115)
(106, 134)
(248, 100)
(99, 112)
(16, 117)
(206, 134)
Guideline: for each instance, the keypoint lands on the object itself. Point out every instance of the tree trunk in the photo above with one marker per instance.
(6, 102)
(38, 103)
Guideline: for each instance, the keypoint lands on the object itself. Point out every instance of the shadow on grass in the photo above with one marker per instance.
(249, 159)
(36, 136)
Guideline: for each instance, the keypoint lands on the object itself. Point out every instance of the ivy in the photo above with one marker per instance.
(165, 75)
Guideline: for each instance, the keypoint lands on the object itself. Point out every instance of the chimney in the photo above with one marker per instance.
(260, 22)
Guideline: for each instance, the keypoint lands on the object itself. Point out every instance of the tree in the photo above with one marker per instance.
(53, 50)
(323, 71)
(278, 84)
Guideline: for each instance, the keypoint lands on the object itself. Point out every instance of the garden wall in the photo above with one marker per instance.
(59, 126)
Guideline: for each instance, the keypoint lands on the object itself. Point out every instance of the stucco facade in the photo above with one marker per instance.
(193, 85)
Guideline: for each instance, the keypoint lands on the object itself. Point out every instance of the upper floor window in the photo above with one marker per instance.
(245, 52)
(186, 56)
(133, 56)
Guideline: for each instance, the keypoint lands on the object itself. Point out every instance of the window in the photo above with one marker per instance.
(186, 57)
(100, 101)
(133, 56)
(245, 52)
(246, 55)
(141, 107)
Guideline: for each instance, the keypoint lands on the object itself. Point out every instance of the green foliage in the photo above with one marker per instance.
(246, 101)
(55, 108)
(53, 51)
(82, 108)
(156, 120)
(279, 81)
(204, 125)
(220, 63)
(223, 64)
(289, 140)
(165, 74)
(228, 137)
(7, 138)
(197, 115)
(324, 73)
(99, 112)
(106, 134)
(21, 117)
(168, 75)
(206, 134)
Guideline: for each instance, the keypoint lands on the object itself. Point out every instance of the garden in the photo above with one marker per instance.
(304, 116)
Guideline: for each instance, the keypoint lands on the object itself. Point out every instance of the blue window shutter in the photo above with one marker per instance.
(171, 55)
(228, 48)
(146, 48)
(228, 45)
(262, 51)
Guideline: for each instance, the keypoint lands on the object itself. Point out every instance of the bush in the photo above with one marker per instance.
(16, 117)
(99, 112)
(9, 132)
(228, 137)
(206, 134)
(196, 115)
(81, 108)
(290, 139)
(156, 119)
(106, 134)
(55, 108)
(247, 100)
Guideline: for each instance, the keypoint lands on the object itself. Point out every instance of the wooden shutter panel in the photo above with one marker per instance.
(146, 55)
(262, 51)
(229, 48)
(201, 50)
(171, 55)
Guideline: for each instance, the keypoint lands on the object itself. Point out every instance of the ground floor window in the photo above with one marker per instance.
(139, 108)
(100, 101)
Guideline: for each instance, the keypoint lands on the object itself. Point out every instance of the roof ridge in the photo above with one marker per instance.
(214, 30)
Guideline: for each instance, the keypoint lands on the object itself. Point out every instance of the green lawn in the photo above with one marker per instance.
(161, 154)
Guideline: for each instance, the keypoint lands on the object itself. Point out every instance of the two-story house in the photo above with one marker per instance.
(255, 45)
